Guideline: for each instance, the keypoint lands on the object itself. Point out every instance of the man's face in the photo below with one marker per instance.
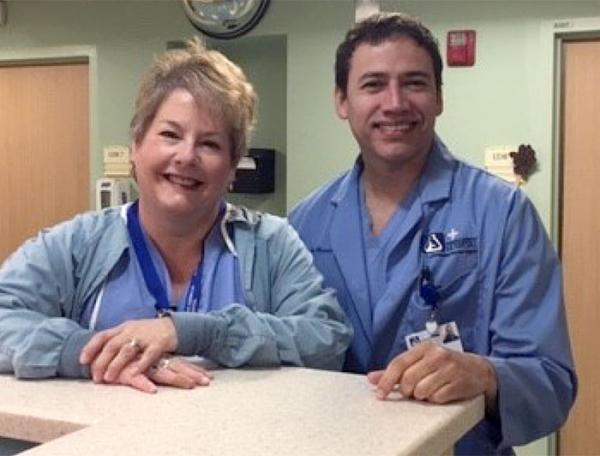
(391, 103)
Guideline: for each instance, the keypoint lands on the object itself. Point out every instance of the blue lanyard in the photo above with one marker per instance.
(194, 292)
(427, 289)
(151, 278)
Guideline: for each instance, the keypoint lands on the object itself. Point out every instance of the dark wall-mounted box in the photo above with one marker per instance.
(255, 172)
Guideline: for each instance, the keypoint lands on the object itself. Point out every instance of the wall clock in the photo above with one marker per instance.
(224, 19)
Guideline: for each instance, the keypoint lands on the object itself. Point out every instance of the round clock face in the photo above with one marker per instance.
(224, 18)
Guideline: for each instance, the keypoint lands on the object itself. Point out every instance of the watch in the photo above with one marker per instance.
(224, 19)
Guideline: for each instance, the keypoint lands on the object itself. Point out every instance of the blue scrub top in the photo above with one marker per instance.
(125, 295)
(496, 271)
(382, 270)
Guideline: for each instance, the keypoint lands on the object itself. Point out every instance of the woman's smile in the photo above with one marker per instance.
(187, 183)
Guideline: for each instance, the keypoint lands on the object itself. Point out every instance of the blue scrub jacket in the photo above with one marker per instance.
(498, 275)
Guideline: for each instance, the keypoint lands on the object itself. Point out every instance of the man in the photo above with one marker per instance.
(414, 240)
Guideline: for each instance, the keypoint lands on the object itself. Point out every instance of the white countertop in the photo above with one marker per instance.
(288, 411)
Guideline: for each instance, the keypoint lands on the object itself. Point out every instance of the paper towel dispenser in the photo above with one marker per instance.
(255, 172)
(112, 192)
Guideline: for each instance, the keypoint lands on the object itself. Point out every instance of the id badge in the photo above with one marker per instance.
(446, 334)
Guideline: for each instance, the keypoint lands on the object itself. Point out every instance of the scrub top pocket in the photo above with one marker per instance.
(457, 280)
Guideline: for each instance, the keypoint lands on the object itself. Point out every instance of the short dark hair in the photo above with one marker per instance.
(382, 27)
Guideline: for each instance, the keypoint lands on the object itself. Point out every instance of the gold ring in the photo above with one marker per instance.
(133, 343)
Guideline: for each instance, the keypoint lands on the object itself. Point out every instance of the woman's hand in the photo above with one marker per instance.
(136, 345)
(169, 372)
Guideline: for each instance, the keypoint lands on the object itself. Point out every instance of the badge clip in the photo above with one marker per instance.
(431, 325)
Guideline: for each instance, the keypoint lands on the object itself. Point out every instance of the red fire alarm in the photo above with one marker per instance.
(460, 50)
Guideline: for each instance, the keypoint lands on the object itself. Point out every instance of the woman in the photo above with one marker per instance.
(88, 297)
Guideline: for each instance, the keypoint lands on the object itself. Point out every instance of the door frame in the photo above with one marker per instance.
(67, 54)
(553, 34)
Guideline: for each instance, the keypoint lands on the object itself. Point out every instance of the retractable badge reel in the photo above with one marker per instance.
(430, 295)
(445, 334)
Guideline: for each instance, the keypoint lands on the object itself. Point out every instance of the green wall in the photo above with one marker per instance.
(124, 36)
(263, 59)
(504, 99)
(501, 100)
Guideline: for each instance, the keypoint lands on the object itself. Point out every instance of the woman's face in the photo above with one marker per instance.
(183, 163)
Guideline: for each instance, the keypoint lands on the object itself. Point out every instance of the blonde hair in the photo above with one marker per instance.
(211, 78)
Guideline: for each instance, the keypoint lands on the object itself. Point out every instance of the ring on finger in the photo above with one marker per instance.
(164, 363)
(134, 343)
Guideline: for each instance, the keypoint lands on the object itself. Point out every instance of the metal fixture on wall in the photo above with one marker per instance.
(365, 8)
(224, 19)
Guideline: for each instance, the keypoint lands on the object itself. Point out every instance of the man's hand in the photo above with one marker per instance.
(136, 345)
(174, 372)
(433, 373)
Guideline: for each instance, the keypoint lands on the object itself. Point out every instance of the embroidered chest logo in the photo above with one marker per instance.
(452, 234)
(434, 243)
(440, 243)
